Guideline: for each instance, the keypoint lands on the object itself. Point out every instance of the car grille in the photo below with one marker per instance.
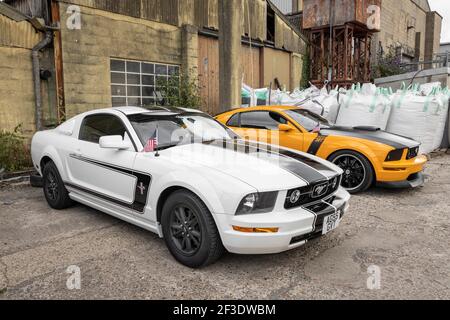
(310, 193)
(412, 153)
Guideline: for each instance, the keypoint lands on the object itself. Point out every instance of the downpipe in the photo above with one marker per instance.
(37, 76)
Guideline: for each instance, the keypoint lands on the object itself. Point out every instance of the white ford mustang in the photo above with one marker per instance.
(184, 176)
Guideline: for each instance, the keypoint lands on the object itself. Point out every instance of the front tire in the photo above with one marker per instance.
(358, 173)
(55, 192)
(189, 230)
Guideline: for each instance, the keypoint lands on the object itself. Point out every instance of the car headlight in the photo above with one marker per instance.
(257, 203)
(335, 183)
(395, 155)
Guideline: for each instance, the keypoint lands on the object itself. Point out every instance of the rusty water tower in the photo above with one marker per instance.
(340, 32)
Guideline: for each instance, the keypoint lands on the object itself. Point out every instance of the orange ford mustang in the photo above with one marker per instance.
(366, 154)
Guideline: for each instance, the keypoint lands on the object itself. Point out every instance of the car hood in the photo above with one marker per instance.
(372, 134)
(264, 167)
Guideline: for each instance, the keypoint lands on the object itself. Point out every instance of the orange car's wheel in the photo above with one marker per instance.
(358, 173)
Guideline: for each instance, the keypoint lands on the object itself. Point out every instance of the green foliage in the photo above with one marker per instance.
(389, 64)
(14, 154)
(180, 91)
(306, 72)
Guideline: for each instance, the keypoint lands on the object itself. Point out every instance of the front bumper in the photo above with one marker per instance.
(403, 173)
(415, 180)
(296, 227)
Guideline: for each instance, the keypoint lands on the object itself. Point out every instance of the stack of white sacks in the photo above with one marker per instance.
(418, 112)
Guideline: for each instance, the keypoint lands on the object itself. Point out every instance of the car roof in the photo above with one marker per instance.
(154, 109)
(261, 108)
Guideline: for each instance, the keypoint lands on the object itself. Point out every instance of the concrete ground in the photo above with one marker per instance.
(406, 234)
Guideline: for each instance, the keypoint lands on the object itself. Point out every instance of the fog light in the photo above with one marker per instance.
(255, 230)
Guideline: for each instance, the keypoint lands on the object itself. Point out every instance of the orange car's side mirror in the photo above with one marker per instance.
(285, 128)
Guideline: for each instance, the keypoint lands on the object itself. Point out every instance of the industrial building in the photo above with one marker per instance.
(91, 54)
(409, 29)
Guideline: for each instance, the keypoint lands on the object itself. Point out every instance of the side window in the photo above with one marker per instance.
(96, 126)
(234, 121)
(262, 120)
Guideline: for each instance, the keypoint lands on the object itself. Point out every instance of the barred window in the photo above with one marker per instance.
(134, 83)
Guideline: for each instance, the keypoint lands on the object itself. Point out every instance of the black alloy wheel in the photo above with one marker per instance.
(185, 230)
(358, 173)
(51, 186)
(55, 192)
(189, 230)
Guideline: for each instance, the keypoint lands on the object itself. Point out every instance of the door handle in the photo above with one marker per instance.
(76, 153)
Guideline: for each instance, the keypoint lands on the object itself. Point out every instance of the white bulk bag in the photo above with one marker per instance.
(331, 104)
(417, 117)
(427, 88)
(442, 119)
(359, 109)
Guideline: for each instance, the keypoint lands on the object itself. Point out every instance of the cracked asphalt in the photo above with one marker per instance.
(405, 233)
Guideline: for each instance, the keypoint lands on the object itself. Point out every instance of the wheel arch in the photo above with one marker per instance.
(165, 194)
(368, 158)
(50, 154)
(168, 191)
(44, 160)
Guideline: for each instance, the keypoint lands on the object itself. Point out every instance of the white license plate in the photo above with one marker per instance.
(331, 222)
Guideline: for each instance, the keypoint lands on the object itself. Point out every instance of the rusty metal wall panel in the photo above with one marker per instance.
(18, 34)
(126, 7)
(32, 8)
(186, 12)
(169, 11)
(257, 11)
(213, 14)
(316, 13)
(201, 12)
(165, 11)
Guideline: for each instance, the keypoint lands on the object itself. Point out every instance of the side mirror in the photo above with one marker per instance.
(284, 128)
(113, 142)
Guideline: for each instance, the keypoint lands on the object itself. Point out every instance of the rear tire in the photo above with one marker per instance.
(358, 172)
(55, 192)
(190, 231)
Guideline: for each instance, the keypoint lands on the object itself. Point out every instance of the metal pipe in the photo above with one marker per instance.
(330, 45)
(37, 76)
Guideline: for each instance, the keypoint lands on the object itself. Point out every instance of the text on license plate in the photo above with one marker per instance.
(331, 222)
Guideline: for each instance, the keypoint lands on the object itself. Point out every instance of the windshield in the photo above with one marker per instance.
(175, 129)
(308, 120)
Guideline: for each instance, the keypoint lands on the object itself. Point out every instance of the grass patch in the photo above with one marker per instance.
(14, 151)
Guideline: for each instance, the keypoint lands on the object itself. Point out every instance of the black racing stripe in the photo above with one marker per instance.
(316, 144)
(302, 167)
(140, 193)
(316, 166)
(393, 140)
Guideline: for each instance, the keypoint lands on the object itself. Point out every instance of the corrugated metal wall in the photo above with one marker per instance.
(31, 8)
(17, 34)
